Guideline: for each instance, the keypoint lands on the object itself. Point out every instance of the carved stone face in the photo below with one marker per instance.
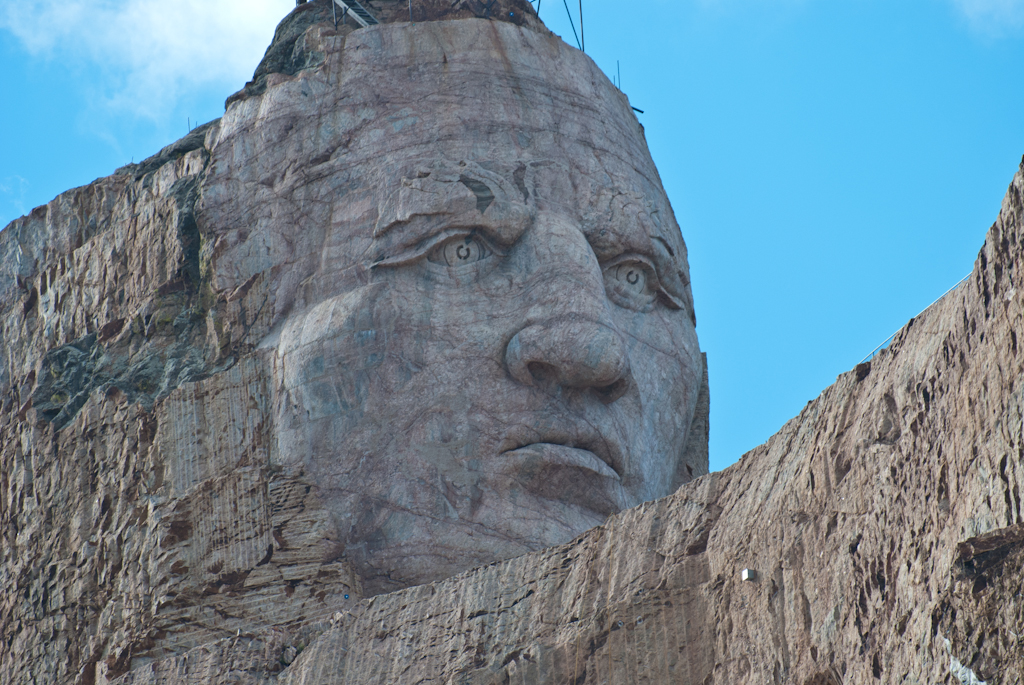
(511, 374)
(490, 345)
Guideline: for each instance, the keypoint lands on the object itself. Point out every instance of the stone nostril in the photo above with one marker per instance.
(612, 392)
(542, 373)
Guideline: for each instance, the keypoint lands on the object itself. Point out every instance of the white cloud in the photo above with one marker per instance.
(150, 51)
(993, 17)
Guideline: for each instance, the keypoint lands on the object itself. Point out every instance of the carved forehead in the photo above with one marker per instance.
(447, 193)
(424, 198)
(303, 197)
(606, 206)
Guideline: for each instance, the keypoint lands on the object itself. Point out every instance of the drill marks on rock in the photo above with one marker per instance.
(215, 453)
(69, 564)
(219, 569)
(180, 439)
(210, 428)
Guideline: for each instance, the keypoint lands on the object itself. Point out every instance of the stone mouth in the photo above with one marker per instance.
(570, 475)
(564, 441)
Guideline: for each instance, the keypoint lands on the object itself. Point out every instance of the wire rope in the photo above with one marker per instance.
(583, 40)
(569, 14)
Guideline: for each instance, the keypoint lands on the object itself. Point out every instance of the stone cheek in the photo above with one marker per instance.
(326, 359)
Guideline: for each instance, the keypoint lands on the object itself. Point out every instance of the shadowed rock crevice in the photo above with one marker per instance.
(160, 348)
(66, 380)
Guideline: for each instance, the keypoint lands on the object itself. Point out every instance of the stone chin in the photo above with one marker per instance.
(484, 339)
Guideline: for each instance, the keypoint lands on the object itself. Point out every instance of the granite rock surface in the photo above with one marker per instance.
(882, 526)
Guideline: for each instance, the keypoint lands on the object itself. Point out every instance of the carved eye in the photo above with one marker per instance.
(631, 284)
(632, 276)
(459, 251)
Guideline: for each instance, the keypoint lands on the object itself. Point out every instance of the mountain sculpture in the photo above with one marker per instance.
(390, 375)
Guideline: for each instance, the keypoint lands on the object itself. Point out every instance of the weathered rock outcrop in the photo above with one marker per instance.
(163, 517)
(884, 526)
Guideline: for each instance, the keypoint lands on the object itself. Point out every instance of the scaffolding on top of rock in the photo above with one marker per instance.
(360, 14)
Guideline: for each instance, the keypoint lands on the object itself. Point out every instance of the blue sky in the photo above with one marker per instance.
(834, 164)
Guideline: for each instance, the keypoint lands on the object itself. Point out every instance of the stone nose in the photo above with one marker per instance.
(572, 353)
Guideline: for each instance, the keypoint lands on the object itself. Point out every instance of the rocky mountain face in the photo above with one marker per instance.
(162, 518)
(881, 530)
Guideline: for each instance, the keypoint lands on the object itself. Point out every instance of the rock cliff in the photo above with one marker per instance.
(154, 529)
(883, 526)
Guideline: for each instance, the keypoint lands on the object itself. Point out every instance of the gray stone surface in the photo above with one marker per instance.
(471, 291)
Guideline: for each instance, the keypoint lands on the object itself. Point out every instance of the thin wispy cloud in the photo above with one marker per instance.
(993, 17)
(13, 190)
(149, 52)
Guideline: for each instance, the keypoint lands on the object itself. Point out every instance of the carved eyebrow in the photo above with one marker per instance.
(668, 248)
(401, 242)
(420, 230)
(425, 205)
(608, 243)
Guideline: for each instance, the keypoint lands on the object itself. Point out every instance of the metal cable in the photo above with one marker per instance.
(564, 2)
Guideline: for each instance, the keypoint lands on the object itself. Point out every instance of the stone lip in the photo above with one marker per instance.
(574, 476)
(542, 453)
